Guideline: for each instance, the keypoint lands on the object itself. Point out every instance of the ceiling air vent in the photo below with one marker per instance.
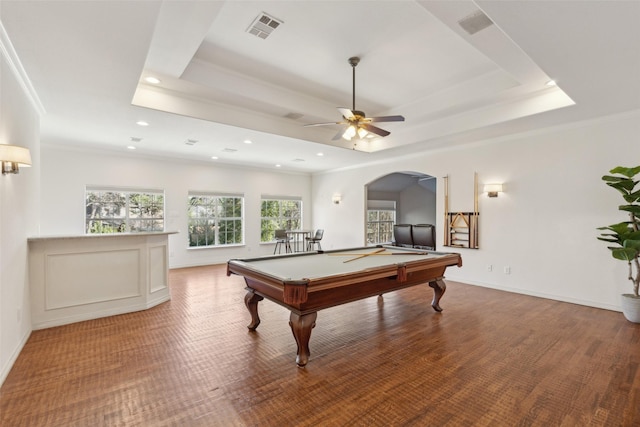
(191, 141)
(263, 25)
(475, 22)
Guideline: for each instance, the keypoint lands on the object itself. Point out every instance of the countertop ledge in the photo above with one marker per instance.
(100, 236)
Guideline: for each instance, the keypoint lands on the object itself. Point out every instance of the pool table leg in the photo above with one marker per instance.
(251, 300)
(301, 326)
(439, 288)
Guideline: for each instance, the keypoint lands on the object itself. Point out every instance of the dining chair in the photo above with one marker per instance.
(315, 240)
(282, 239)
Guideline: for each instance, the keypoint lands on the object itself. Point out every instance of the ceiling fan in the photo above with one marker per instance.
(359, 125)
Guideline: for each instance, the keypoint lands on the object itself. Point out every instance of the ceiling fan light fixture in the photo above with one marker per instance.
(362, 133)
(349, 133)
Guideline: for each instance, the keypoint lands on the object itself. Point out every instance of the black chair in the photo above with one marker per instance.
(403, 235)
(424, 236)
(282, 239)
(315, 240)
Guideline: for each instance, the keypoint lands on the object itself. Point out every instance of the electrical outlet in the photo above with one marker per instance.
(507, 270)
(489, 267)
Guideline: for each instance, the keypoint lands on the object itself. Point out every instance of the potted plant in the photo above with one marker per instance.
(626, 235)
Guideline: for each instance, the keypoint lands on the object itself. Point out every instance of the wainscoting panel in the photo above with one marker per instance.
(158, 268)
(90, 277)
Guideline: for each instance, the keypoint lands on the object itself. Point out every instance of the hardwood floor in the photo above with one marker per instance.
(490, 359)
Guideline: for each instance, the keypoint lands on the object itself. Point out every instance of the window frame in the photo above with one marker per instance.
(280, 221)
(219, 200)
(128, 219)
(380, 206)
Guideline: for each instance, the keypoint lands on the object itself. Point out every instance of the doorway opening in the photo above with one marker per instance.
(398, 198)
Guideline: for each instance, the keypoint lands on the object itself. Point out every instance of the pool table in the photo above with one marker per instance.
(308, 282)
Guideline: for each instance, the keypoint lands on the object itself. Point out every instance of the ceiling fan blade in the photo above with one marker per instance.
(373, 129)
(346, 113)
(387, 119)
(325, 124)
(338, 135)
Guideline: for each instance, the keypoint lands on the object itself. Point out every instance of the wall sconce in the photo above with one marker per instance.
(12, 157)
(492, 190)
(337, 198)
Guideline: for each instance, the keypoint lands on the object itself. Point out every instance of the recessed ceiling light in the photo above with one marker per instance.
(152, 80)
(214, 157)
(248, 141)
(278, 166)
(142, 123)
(551, 83)
(320, 154)
(131, 147)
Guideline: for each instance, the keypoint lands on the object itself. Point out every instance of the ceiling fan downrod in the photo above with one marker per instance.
(353, 61)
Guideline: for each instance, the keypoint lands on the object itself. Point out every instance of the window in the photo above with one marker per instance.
(381, 215)
(279, 213)
(215, 219)
(116, 211)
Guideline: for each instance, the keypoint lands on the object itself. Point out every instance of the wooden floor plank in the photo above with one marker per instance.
(490, 359)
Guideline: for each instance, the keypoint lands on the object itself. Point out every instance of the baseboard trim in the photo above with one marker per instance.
(560, 298)
(99, 314)
(14, 356)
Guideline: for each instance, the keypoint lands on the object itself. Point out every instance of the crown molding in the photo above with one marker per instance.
(10, 55)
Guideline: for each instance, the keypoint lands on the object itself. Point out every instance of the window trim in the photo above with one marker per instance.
(128, 191)
(380, 206)
(279, 198)
(218, 195)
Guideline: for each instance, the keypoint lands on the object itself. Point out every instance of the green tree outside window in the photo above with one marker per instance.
(279, 214)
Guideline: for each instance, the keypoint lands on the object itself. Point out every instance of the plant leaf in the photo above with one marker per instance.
(625, 185)
(610, 240)
(624, 254)
(612, 178)
(628, 172)
(635, 209)
(632, 244)
(633, 197)
(620, 228)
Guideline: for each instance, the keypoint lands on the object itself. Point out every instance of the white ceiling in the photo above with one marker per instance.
(221, 85)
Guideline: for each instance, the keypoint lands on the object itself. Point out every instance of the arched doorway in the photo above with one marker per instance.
(398, 198)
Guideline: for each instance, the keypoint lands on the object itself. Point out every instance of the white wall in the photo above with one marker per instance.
(414, 204)
(543, 227)
(417, 206)
(19, 195)
(66, 172)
